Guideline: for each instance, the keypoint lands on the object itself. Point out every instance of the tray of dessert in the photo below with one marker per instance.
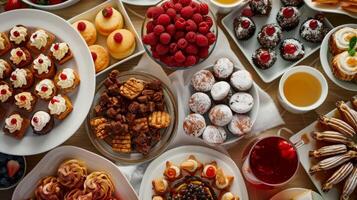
(346, 7)
(109, 34)
(338, 56)
(329, 156)
(47, 81)
(276, 35)
(222, 104)
(69, 172)
(193, 172)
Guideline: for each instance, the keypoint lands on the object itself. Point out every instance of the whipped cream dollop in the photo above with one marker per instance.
(42, 64)
(17, 57)
(343, 36)
(66, 78)
(45, 88)
(2, 42)
(18, 34)
(20, 78)
(39, 39)
(2, 68)
(5, 93)
(40, 119)
(13, 123)
(59, 50)
(24, 100)
(57, 105)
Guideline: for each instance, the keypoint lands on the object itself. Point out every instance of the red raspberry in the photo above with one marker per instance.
(182, 43)
(171, 29)
(247, 11)
(167, 60)
(173, 48)
(197, 17)
(190, 61)
(178, 7)
(168, 4)
(164, 19)
(203, 28)
(180, 23)
(185, 2)
(150, 27)
(313, 24)
(162, 49)
(63, 76)
(288, 12)
(158, 29)
(211, 38)
(195, 6)
(175, 1)
(150, 39)
(201, 40)
(204, 8)
(171, 12)
(191, 49)
(81, 26)
(165, 38)
(179, 34)
(191, 37)
(208, 20)
(191, 25)
(179, 57)
(203, 52)
(56, 46)
(94, 56)
(118, 37)
(107, 12)
(187, 12)
(155, 12)
(155, 54)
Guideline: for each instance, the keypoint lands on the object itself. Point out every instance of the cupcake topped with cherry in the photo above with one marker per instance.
(244, 27)
(314, 29)
(288, 17)
(270, 36)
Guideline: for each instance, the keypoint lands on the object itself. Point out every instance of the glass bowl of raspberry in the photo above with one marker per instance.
(179, 34)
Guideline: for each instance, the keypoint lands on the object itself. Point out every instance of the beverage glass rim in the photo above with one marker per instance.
(231, 5)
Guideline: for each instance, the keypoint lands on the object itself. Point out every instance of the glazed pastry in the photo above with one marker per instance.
(240, 125)
(121, 43)
(72, 173)
(209, 170)
(77, 194)
(20, 57)
(194, 125)
(296, 3)
(160, 186)
(313, 30)
(202, 81)
(99, 184)
(40, 41)
(22, 78)
(241, 102)
(244, 27)
(43, 67)
(5, 44)
(6, 92)
(26, 101)
(214, 135)
(191, 165)
(292, 49)
(19, 35)
(60, 52)
(261, 7)
(288, 17)
(16, 125)
(220, 90)
(45, 89)
(223, 68)
(132, 88)
(67, 80)
(199, 103)
(172, 172)
(5, 69)
(222, 181)
(344, 66)
(340, 40)
(100, 57)
(270, 36)
(42, 123)
(264, 58)
(87, 31)
(228, 196)
(220, 115)
(49, 188)
(108, 20)
(60, 106)
(242, 80)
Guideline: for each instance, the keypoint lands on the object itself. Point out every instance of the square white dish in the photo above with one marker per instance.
(101, 40)
(49, 165)
(249, 46)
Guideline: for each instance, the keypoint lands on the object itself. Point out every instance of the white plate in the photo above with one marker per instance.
(326, 58)
(49, 165)
(291, 192)
(329, 8)
(52, 7)
(81, 98)
(102, 40)
(204, 155)
(141, 2)
(249, 46)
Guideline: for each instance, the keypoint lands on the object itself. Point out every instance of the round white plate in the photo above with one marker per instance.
(329, 8)
(141, 2)
(326, 58)
(204, 155)
(289, 193)
(51, 7)
(81, 98)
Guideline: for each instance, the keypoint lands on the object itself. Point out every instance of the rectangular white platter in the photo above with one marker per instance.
(249, 46)
(90, 16)
(49, 165)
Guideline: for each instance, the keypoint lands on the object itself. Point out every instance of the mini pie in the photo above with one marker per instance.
(5, 69)
(16, 125)
(121, 43)
(108, 20)
(160, 186)
(222, 181)
(20, 57)
(22, 78)
(67, 80)
(60, 106)
(25, 101)
(60, 52)
(40, 41)
(210, 170)
(87, 31)
(5, 44)
(45, 89)
(43, 67)
(19, 35)
(100, 57)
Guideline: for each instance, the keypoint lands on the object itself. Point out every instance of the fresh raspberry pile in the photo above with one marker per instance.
(179, 32)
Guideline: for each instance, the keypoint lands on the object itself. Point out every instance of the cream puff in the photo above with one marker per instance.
(5, 69)
(209, 170)
(16, 125)
(108, 20)
(42, 122)
(20, 57)
(340, 40)
(45, 89)
(172, 172)
(100, 57)
(6, 92)
(60, 52)
(40, 41)
(344, 66)
(160, 186)
(5, 44)
(223, 182)
(121, 43)
(22, 78)
(43, 67)
(60, 106)
(67, 80)
(26, 101)
(191, 165)
(87, 31)
(19, 35)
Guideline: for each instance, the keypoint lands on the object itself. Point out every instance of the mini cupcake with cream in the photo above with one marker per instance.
(172, 172)
(5, 69)
(16, 125)
(60, 52)
(6, 92)
(60, 106)
(5, 44)
(67, 80)
(20, 57)
(22, 78)
(43, 67)
(40, 41)
(25, 101)
(19, 35)
(42, 122)
(45, 89)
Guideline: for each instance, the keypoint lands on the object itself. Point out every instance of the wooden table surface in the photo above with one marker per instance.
(293, 122)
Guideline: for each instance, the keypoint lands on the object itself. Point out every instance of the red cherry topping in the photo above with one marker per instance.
(3, 91)
(245, 23)
(35, 119)
(56, 47)
(94, 56)
(171, 173)
(40, 61)
(211, 172)
(23, 98)
(53, 101)
(107, 12)
(118, 37)
(81, 26)
(19, 53)
(313, 24)
(34, 36)
(264, 57)
(270, 30)
(16, 34)
(13, 121)
(44, 88)
(13, 77)
(288, 12)
(63, 76)
(289, 48)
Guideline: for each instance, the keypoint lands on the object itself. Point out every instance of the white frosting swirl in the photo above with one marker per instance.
(69, 80)
(39, 39)
(40, 120)
(50, 88)
(22, 34)
(343, 36)
(7, 95)
(12, 127)
(42, 67)
(61, 51)
(24, 100)
(347, 63)
(57, 105)
(20, 75)
(2, 68)
(15, 58)
(2, 42)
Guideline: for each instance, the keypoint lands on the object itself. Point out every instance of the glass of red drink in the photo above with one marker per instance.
(272, 162)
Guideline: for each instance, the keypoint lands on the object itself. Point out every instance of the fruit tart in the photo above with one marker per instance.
(49, 188)
(209, 170)
(191, 165)
(40, 41)
(6, 92)
(172, 172)
(42, 122)
(72, 173)
(99, 184)
(344, 66)
(160, 186)
(193, 187)
(67, 80)
(45, 89)
(223, 182)
(60, 106)
(5, 44)
(16, 125)
(22, 78)
(19, 35)
(25, 101)
(5, 69)
(43, 67)
(108, 20)
(340, 40)
(60, 52)
(20, 57)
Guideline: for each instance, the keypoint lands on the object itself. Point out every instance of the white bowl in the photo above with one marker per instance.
(226, 8)
(52, 7)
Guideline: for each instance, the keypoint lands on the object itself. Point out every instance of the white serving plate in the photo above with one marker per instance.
(49, 165)
(81, 98)
(52, 7)
(329, 8)
(102, 40)
(204, 155)
(292, 192)
(326, 59)
(141, 2)
(249, 46)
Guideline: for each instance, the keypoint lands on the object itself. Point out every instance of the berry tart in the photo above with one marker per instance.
(67, 80)
(42, 122)
(25, 101)
(244, 27)
(288, 18)
(60, 52)
(12, 170)
(340, 40)
(264, 58)
(87, 31)
(292, 49)
(108, 20)
(261, 7)
(5, 69)
(6, 92)
(121, 43)
(296, 3)
(40, 41)
(20, 57)
(22, 78)
(19, 35)
(100, 57)
(43, 67)
(270, 36)
(60, 106)
(5, 44)
(313, 30)
(45, 89)
(16, 125)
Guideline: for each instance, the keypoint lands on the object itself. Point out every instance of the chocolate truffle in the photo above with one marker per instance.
(264, 58)
(288, 17)
(244, 27)
(292, 50)
(270, 36)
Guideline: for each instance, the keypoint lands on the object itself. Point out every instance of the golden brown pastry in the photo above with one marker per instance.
(222, 181)
(16, 125)
(209, 170)
(100, 185)
(72, 173)
(172, 172)
(160, 186)
(67, 80)
(340, 40)
(121, 43)
(5, 69)
(49, 188)
(191, 165)
(40, 41)
(87, 31)
(132, 88)
(344, 66)
(100, 57)
(5, 44)
(60, 106)
(60, 52)
(77, 194)
(159, 119)
(108, 20)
